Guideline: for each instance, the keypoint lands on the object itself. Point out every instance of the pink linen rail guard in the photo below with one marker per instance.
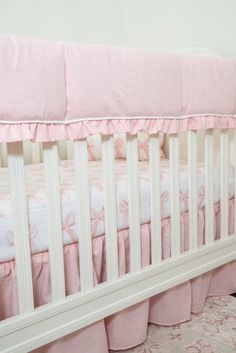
(52, 91)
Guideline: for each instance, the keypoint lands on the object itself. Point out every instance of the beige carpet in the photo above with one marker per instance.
(213, 331)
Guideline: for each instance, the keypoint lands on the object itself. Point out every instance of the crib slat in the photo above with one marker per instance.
(55, 237)
(3, 152)
(134, 210)
(61, 147)
(224, 164)
(21, 227)
(69, 150)
(110, 208)
(36, 153)
(27, 152)
(155, 169)
(175, 195)
(234, 145)
(209, 201)
(193, 197)
(83, 207)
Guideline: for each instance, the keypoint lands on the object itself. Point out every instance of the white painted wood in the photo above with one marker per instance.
(3, 154)
(50, 322)
(61, 145)
(209, 201)
(224, 192)
(32, 152)
(84, 217)
(175, 195)
(134, 201)
(193, 190)
(234, 182)
(155, 175)
(110, 208)
(36, 153)
(69, 150)
(55, 237)
(27, 152)
(21, 227)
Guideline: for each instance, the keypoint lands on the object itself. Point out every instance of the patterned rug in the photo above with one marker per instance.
(212, 331)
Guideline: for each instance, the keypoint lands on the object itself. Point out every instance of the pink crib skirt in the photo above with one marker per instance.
(127, 328)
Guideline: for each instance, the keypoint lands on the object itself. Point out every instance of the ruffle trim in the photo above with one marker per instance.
(75, 130)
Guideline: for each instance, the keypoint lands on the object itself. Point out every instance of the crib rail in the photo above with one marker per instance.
(33, 327)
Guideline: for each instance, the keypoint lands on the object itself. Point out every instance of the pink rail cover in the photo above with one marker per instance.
(55, 90)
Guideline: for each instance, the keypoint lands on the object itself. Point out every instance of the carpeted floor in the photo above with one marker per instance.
(213, 331)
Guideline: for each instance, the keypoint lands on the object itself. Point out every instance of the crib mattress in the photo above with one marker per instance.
(37, 204)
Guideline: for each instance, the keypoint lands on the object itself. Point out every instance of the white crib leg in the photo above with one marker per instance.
(209, 201)
(84, 218)
(193, 191)
(21, 227)
(155, 173)
(110, 208)
(55, 237)
(134, 210)
(175, 195)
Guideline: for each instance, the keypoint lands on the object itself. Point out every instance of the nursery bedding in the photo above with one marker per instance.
(37, 200)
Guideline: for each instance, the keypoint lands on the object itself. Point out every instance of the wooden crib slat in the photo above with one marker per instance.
(134, 208)
(84, 218)
(69, 150)
(27, 152)
(209, 201)
(234, 162)
(224, 192)
(55, 237)
(193, 193)
(110, 208)
(36, 153)
(155, 173)
(3, 151)
(21, 227)
(175, 195)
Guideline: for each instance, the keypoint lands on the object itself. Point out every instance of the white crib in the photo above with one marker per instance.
(34, 327)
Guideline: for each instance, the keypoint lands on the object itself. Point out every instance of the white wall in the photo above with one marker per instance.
(96, 21)
(175, 24)
(153, 24)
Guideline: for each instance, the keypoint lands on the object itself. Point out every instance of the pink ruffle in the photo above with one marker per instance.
(46, 132)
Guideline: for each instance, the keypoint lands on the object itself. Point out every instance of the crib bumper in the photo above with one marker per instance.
(53, 90)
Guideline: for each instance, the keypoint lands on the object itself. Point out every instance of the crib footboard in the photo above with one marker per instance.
(34, 327)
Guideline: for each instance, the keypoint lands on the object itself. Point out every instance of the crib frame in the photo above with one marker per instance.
(32, 328)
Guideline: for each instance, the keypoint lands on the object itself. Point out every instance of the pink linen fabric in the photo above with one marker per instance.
(128, 327)
(55, 90)
(32, 75)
